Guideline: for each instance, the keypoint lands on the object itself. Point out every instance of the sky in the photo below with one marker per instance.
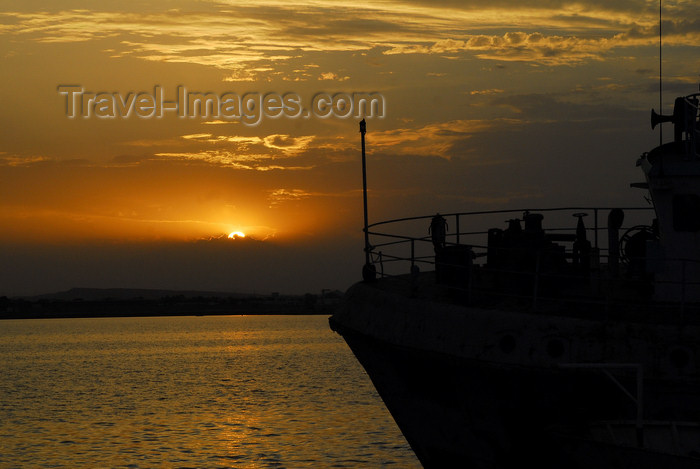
(484, 105)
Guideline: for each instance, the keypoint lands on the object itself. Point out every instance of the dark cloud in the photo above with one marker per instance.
(539, 107)
(223, 265)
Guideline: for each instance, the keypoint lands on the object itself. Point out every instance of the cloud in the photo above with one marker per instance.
(284, 195)
(248, 148)
(210, 138)
(562, 108)
(15, 160)
(528, 47)
(288, 145)
(196, 136)
(332, 76)
(279, 196)
(219, 122)
(250, 41)
(435, 139)
(488, 92)
(234, 160)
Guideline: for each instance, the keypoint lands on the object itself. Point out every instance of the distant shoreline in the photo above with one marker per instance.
(50, 315)
(172, 304)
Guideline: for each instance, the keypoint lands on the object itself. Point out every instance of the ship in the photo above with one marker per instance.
(552, 337)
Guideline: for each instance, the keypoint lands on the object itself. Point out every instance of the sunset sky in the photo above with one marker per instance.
(488, 105)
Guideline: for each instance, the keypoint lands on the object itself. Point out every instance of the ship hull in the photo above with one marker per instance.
(456, 413)
(437, 370)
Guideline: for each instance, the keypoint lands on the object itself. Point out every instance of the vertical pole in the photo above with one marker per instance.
(363, 131)
(414, 268)
(369, 271)
(661, 89)
(595, 214)
(457, 223)
(413, 254)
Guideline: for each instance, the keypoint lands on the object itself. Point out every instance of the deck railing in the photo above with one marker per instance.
(397, 247)
(476, 238)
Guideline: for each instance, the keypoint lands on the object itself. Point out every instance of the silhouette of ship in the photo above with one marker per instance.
(533, 344)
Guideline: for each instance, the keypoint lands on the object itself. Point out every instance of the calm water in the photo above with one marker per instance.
(234, 391)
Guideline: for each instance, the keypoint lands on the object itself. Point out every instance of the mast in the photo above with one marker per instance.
(661, 91)
(368, 270)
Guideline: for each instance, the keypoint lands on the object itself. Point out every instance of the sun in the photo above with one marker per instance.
(236, 234)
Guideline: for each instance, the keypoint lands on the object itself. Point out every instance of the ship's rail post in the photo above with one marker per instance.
(595, 227)
(470, 280)
(457, 227)
(413, 254)
(414, 269)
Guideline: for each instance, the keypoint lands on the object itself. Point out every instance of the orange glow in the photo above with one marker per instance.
(446, 72)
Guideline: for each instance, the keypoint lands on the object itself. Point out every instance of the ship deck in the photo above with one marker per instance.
(551, 266)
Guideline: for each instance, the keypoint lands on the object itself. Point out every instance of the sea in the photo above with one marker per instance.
(179, 392)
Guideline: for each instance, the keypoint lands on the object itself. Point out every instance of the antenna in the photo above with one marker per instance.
(369, 271)
(661, 91)
(363, 131)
